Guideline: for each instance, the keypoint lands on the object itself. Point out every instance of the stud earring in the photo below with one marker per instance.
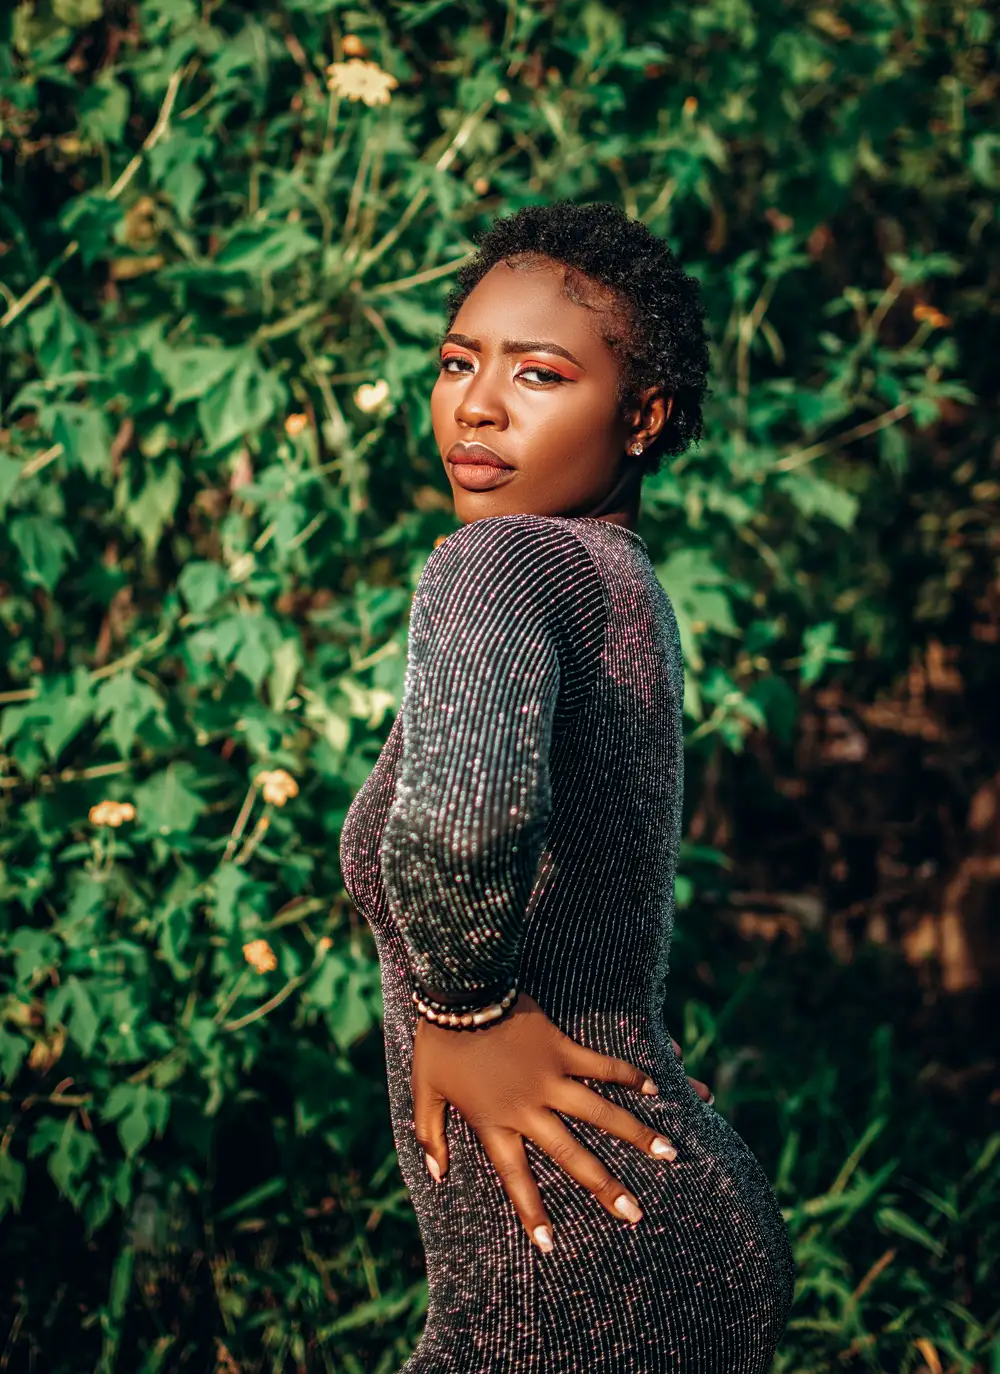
(636, 448)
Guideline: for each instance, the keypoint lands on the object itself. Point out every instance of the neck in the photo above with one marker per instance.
(621, 505)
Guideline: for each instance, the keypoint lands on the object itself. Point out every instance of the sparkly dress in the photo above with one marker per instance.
(521, 825)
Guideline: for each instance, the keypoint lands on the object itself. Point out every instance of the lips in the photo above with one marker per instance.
(476, 454)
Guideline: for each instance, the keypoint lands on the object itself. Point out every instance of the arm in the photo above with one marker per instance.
(505, 631)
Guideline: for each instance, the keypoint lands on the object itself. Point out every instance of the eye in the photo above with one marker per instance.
(452, 358)
(545, 374)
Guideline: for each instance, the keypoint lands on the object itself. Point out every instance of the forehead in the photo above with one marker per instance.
(530, 301)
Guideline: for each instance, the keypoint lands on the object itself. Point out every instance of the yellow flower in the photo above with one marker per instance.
(353, 46)
(370, 395)
(324, 945)
(112, 813)
(933, 316)
(277, 786)
(260, 956)
(361, 81)
(690, 105)
(295, 424)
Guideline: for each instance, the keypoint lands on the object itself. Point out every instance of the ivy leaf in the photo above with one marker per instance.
(70, 1160)
(249, 249)
(191, 372)
(154, 508)
(818, 649)
(166, 804)
(92, 220)
(44, 545)
(12, 1176)
(103, 109)
(129, 702)
(202, 584)
(85, 1021)
(812, 496)
(240, 403)
(10, 475)
(83, 432)
(286, 662)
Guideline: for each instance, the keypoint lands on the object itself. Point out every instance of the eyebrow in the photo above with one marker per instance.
(514, 346)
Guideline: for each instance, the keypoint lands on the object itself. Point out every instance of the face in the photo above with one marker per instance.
(526, 373)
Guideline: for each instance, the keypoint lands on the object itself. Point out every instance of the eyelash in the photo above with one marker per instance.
(545, 372)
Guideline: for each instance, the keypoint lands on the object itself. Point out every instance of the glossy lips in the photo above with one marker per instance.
(477, 468)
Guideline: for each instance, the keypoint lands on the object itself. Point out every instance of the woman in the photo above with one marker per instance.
(581, 1206)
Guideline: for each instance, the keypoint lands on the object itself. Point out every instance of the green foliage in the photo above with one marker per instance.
(222, 287)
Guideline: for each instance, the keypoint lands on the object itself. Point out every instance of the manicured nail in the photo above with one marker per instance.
(663, 1147)
(432, 1168)
(627, 1208)
(649, 1088)
(543, 1237)
(711, 1099)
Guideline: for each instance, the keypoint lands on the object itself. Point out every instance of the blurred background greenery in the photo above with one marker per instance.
(226, 234)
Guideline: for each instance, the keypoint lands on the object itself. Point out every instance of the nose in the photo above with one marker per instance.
(479, 403)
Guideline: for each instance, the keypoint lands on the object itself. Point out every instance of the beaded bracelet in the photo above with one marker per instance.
(440, 1015)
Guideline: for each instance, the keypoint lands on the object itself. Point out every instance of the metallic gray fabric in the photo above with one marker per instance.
(521, 825)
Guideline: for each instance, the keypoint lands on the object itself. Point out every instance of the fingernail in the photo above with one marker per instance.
(649, 1088)
(711, 1099)
(663, 1147)
(432, 1168)
(543, 1237)
(627, 1208)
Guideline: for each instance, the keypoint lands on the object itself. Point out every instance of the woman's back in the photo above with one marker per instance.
(524, 818)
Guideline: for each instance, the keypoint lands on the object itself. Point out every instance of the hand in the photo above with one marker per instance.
(508, 1082)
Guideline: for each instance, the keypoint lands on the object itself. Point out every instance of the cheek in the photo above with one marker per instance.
(438, 403)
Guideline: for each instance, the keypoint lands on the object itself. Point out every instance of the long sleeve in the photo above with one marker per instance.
(506, 628)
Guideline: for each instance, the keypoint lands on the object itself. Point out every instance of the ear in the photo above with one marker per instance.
(651, 414)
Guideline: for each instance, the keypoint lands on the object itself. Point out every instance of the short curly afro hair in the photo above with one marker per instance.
(653, 319)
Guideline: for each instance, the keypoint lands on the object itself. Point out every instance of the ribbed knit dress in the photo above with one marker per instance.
(521, 826)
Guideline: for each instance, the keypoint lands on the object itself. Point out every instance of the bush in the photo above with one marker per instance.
(227, 234)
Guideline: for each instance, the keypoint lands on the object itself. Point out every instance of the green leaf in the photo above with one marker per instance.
(44, 545)
(92, 220)
(14, 1050)
(85, 1020)
(83, 432)
(819, 650)
(103, 109)
(12, 1178)
(155, 507)
(228, 886)
(10, 475)
(240, 403)
(78, 13)
(813, 495)
(191, 372)
(256, 249)
(202, 584)
(69, 1161)
(286, 661)
(890, 1219)
(130, 702)
(166, 804)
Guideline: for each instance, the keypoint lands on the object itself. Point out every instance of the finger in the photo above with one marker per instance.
(702, 1089)
(562, 1146)
(509, 1158)
(585, 1063)
(574, 1099)
(428, 1120)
